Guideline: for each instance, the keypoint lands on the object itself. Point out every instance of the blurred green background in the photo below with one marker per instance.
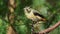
(48, 8)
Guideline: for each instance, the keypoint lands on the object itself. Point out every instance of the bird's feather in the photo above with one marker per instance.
(37, 14)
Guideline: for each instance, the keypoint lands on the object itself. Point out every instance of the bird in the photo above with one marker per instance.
(33, 14)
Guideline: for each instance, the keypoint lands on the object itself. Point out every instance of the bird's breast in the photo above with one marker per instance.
(30, 16)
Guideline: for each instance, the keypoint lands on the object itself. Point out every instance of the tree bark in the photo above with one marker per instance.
(11, 6)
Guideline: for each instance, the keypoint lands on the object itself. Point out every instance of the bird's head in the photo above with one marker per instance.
(27, 9)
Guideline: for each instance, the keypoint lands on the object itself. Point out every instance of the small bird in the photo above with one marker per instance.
(33, 15)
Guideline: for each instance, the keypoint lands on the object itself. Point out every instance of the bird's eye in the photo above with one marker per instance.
(28, 10)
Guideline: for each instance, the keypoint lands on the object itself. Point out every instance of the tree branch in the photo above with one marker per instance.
(50, 28)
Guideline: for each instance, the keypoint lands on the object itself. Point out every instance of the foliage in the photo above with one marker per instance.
(22, 24)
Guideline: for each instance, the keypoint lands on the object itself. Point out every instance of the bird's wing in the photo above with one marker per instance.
(37, 14)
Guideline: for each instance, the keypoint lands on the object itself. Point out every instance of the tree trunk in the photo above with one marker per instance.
(11, 6)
